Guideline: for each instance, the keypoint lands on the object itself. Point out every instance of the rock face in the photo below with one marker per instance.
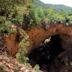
(37, 35)
(1, 43)
(10, 64)
(12, 40)
(11, 44)
(59, 46)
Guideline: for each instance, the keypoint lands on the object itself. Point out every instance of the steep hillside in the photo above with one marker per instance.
(56, 7)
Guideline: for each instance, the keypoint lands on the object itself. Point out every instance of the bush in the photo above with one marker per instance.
(37, 67)
(23, 45)
(5, 26)
(6, 6)
(36, 15)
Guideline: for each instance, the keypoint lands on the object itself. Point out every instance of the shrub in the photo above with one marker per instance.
(6, 6)
(5, 26)
(23, 45)
(37, 67)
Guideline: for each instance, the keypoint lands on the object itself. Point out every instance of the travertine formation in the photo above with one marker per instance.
(37, 35)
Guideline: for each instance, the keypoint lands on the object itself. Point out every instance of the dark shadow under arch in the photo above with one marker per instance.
(45, 54)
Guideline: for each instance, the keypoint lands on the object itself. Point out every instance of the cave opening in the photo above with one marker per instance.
(45, 54)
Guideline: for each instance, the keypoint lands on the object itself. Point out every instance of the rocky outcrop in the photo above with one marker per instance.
(10, 64)
(58, 47)
(11, 44)
(37, 35)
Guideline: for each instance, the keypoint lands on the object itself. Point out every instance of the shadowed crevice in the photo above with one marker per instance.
(45, 54)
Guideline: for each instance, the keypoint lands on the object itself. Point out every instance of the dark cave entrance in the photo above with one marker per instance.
(45, 54)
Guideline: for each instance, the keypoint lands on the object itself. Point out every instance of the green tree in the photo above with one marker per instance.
(6, 6)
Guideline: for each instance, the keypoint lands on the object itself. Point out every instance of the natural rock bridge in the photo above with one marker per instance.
(42, 53)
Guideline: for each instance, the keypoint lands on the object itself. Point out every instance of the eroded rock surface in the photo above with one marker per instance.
(10, 64)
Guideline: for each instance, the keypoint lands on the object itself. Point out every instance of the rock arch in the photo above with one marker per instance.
(60, 44)
(37, 35)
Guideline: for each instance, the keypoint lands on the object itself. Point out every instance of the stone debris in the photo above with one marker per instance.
(10, 64)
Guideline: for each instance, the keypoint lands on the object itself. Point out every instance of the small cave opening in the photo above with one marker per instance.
(45, 54)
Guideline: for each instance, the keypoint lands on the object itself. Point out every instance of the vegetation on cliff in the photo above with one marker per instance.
(18, 16)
